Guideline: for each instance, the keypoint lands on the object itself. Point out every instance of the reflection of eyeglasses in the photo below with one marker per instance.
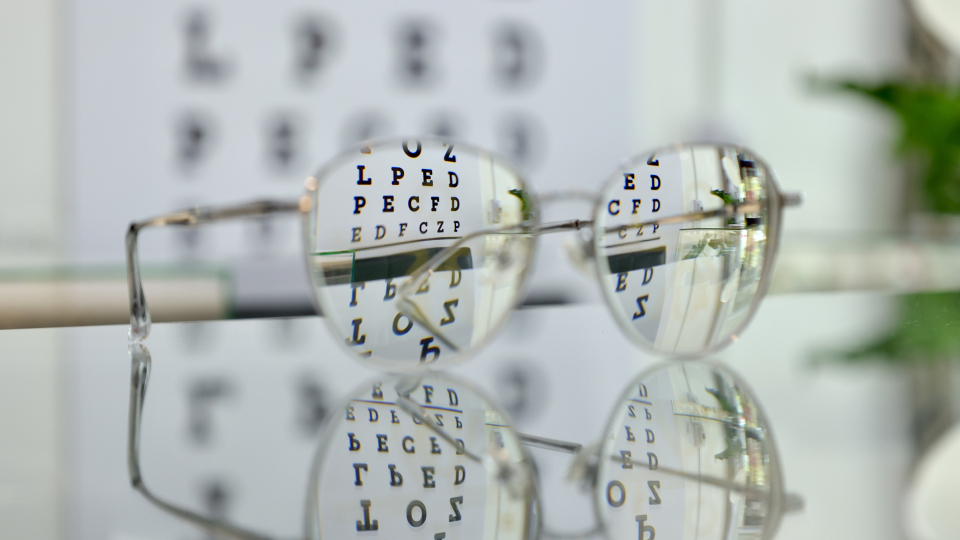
(422, 457)
(418, 250)
(428, 457)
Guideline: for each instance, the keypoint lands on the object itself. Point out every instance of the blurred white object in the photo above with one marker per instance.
(833, 263)
(942, 19)
(930, 506)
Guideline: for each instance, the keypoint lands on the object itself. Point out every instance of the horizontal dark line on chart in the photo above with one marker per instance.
(441, 408)
(277, 310)
(641, 401)
(635, 260)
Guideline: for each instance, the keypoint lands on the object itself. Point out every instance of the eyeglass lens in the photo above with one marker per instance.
(686, 286)
(383, 210)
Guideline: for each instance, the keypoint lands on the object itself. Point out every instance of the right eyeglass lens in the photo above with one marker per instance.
(684, 288)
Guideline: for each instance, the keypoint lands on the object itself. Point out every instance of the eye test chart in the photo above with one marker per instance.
(178, 104)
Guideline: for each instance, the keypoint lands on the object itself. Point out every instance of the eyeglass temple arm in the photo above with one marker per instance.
(423, 272)
(140, 356)
(139, 377)
(139, 312)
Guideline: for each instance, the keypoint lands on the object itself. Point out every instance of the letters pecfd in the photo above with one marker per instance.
(409, 205)
(413, 203)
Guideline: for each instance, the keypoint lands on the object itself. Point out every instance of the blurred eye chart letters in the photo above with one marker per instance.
(178, 103)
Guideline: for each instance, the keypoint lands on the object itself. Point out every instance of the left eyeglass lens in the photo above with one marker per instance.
(381, 211)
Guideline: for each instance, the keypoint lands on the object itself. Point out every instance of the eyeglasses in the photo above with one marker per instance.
(459, 225)
(405, 454)
(419, 249)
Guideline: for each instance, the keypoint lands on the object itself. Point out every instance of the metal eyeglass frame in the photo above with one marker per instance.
(140, 320)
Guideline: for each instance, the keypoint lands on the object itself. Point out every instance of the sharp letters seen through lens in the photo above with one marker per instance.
(380, 212)
(684, 240)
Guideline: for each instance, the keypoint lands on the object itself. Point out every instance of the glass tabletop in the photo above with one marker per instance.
(236, 408)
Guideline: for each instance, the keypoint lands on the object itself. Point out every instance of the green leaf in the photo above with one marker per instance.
(734, 448)
(526, 205)
(928, 329)
(724, 196)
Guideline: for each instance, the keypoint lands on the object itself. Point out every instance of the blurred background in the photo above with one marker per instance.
(113, 111)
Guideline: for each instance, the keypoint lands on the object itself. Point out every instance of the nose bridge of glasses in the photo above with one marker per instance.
(551, 197)
(556, 207)
(585, 467)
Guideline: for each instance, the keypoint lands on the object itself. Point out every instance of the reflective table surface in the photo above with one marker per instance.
(235, 413)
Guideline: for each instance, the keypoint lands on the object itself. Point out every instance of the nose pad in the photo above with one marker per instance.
(579, 250)
(585, 468)
(511, 475)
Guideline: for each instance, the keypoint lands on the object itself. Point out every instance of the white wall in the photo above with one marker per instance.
(30, 218)
(739, 70)
(30, 234)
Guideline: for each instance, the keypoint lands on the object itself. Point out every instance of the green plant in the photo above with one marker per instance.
(927, 330)
(928, 325)
(930, 131)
